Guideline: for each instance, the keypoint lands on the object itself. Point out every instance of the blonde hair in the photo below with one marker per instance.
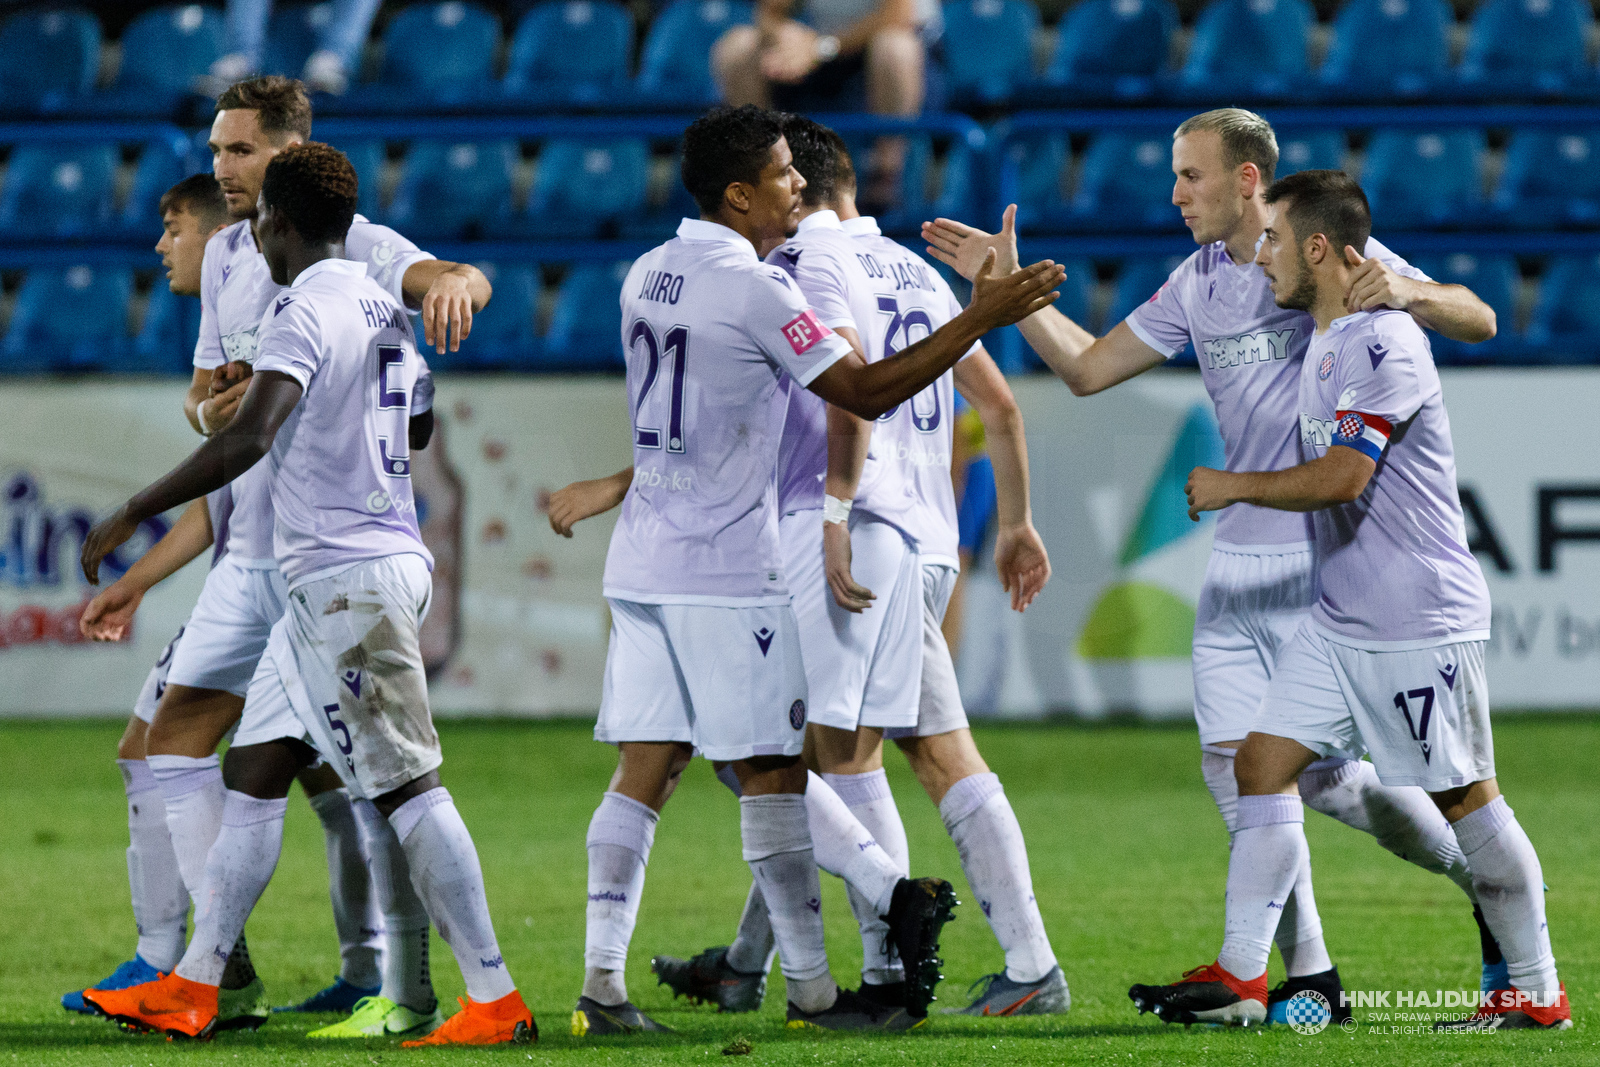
(1246, 137)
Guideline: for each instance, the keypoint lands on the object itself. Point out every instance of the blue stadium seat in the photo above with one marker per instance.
(1527, 44)
(1566, 320)
(165, 341)
(1125, 183)
(504, 333)
(1310, 150)
(1013, 353)
(1551, 178)
(586, 187)
(1388, 49)
(1417, 179)
(573, 50)
(1250, 47)
(988, 50)
(1495, 279)
(292, 34)
(1137, 281)
(586, 325)
(440, 52)
(164, 51)
(47, 57)
(162, 164)
(1114, 46)
(659, 222)
(73, 319)
(58, 190)
(676, 63)
(453, 190)
(366, 155)
(1041, 160)
(923, 172)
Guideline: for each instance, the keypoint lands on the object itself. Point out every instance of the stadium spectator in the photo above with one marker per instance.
(342, 27)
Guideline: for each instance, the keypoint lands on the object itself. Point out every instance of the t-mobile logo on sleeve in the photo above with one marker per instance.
(803, 331)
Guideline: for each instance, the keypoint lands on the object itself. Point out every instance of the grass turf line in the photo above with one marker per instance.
(1129, 862)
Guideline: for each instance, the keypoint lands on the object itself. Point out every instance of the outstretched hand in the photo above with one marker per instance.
(963, 247)
(1001, 301)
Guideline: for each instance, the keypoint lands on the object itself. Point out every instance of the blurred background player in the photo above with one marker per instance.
(1259, 585)
(1395, 666)
(338, 358)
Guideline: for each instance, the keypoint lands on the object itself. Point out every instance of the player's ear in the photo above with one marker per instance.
(737, 196)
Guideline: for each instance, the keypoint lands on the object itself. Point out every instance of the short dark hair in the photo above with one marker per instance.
(726, 145)
(200, 196)
(822, 158)
(315, 186)
(281, 104)
(1329, 202)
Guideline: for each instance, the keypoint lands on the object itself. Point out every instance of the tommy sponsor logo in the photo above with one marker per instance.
(797, 714)
(352, 682)
(609, 896)
(655, 478)
(1261, 347)
(804, 331)
(764, 638)
(1448, 673)
(1315, 431)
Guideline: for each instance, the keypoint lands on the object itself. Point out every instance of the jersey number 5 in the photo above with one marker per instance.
(674, 346)
(393, 357)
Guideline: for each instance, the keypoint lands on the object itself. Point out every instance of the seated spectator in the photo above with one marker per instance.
(817, 65)
(329, 69)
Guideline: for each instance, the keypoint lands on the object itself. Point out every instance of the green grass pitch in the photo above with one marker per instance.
(1128, 857)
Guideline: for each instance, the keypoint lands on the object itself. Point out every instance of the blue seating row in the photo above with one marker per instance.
(600, 187)
(77, 318)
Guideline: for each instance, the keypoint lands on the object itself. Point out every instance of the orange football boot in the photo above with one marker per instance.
(170, 1005)
(506, 1021)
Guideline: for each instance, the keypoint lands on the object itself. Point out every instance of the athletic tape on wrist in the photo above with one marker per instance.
(835, 510)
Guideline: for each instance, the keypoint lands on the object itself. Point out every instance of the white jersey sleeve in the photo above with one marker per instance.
(1162, 322)
(787, 329)
(422, 392)
(386, 253)
(208, 349)
(290, 340)
(822, 281)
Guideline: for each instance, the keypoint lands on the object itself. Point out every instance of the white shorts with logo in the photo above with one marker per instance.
(1254, 599)
(155, 683)
(939, 707)
(861, 669)
(1422, 714)
(729, 681)
(343, 670)
(228, 629)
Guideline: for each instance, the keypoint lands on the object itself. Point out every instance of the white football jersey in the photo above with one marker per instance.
(236, 289)
(708, 331)
(340, 468)
(911, 443)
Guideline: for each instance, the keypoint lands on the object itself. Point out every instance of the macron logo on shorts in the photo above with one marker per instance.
(804, 331)
(764, 638)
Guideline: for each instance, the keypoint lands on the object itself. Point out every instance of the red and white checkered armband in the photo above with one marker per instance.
(1367, 434)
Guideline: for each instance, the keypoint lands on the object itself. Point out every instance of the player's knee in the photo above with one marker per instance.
(1261, 769)
(266, 771)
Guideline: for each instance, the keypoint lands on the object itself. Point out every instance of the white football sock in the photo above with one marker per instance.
(777, 845)
(753, 946)
(620, 836)
(1510, 885)
(995, 860)
(237, 872)
(350, 887)
(192, 791)
(1404, 819)
(1299, 933)
(868, 799)
(1269, 847)
(1216, 766)
(407, 978)
(160, 902)
(445, 872)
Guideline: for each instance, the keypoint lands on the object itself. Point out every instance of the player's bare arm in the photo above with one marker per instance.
(109, 614)
(448, 294)
(573, 503)
(870, 389)
(207, 409)
(1085, 363)
(1019, 553)
(270, 398)
(1336, 478)
(1452, 310)
(849, 438)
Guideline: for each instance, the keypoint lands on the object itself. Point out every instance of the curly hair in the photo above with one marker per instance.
(281, 105)
(821, 157)
(315, 186)
(726, 145)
